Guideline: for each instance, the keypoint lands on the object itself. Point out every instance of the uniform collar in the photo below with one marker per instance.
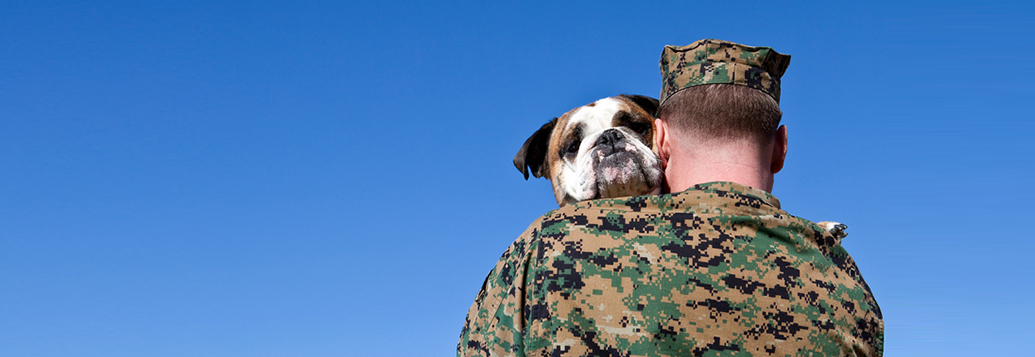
(724, 188)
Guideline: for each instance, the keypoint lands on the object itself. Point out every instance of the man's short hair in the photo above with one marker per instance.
(722, 111)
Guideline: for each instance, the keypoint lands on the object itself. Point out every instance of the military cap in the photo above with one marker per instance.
(712, 61)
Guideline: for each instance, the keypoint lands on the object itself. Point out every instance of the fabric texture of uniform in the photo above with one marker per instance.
(718, 62)
(716, 270)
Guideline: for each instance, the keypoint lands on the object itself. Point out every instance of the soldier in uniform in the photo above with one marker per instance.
(715, 268)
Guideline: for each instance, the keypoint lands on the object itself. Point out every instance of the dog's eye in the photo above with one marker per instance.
(572, 148)
(639, 128)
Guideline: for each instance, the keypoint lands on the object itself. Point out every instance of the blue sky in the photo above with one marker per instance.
(272, 178)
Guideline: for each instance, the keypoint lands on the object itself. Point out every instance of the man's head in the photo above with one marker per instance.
(720, 113)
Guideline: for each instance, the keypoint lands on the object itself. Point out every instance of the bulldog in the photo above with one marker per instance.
(599, 150)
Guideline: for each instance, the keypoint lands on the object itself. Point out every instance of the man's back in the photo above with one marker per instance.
(717, 269)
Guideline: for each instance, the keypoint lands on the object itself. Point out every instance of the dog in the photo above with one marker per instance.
(599, 150)
(603, 149)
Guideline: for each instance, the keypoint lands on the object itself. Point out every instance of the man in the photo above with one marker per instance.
(713, 269)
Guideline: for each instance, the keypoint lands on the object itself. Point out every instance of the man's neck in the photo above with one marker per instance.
(723, 163)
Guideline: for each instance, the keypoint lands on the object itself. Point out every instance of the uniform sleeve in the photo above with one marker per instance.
(495, 323)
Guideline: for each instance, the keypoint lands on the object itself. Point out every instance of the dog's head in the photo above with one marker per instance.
(599, 150)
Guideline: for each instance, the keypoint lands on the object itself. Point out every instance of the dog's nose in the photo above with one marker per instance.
(609, 137)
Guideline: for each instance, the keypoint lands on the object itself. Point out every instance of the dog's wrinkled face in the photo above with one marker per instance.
(598, 150)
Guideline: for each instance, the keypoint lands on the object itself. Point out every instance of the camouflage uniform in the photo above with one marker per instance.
(716, 270)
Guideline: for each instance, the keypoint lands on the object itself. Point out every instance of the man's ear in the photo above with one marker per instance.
(779, 150)
(661, 143)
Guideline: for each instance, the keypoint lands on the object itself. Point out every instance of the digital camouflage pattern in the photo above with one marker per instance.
(716, 270)
(716, 61)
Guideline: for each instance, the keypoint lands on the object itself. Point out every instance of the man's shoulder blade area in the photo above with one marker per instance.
(675, 275)
(607, 275)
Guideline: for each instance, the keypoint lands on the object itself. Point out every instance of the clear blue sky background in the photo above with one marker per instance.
(275, 178)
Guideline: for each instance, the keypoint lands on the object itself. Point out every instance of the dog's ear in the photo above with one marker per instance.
(647, 103)
(533, 154)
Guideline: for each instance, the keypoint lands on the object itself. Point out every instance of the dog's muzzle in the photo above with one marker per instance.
(616, 166)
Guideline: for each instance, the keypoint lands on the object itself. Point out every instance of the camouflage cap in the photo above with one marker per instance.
(715, 61)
